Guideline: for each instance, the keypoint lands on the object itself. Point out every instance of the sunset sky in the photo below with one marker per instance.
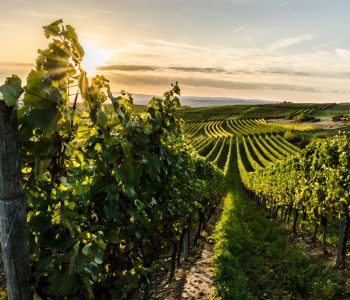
(295, 50)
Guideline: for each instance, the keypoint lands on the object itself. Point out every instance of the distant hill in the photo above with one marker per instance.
(205, 101)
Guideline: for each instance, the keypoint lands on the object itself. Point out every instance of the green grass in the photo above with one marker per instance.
(255, 260)
(337, 109)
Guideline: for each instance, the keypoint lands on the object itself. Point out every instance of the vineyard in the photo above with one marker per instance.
(305, 189)
(94, 194)
(285, 110)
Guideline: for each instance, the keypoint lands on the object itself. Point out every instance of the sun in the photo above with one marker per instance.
(94, 57)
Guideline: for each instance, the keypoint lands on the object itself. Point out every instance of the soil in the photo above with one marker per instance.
(193, 279)
(325, 124)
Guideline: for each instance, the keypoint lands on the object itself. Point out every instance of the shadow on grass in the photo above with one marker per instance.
(255, 260)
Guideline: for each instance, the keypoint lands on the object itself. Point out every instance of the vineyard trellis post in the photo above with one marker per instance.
(13, 220)
(186, 244)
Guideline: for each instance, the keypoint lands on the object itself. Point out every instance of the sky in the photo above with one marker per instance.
(284, 50)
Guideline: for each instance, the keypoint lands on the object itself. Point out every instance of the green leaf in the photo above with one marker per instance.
(72, 35)
(147, 129)
(112, 236)
(84, 86)
(44, 119)
(138, 204)
(62, 284)
(65, 181)
(42, 266)
(35, 91)
(11, 90)
(53, 29)
(111, 210)
(95, 251)
(40, 222)
(98, 148)
(130, 190)
(37, 297)
(126, 172)
(87, 249)
(92, 269)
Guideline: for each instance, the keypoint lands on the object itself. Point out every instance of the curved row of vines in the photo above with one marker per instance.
(313, 183)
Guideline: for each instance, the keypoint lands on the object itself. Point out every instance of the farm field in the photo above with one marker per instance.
(286, 110)
(256, 145)
(103, 199)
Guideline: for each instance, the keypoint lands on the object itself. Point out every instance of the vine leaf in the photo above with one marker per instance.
(53, 29)
(11, 90)
(44, 119)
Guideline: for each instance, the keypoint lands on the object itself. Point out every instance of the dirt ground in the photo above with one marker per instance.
(325, 124)
(194, 278)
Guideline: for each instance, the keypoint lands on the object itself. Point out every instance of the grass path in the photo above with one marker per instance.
(255, 260)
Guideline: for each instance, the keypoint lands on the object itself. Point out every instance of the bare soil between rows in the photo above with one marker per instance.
(193, 279)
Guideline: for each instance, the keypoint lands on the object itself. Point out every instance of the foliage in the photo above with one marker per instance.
(295, 126)
(315, 181)
(340, 118)
(107, 190)
(291, 137)
(11, 90)
(303, 117)
(254, 259)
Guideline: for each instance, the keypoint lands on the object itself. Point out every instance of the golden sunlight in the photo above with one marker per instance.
(94, 57)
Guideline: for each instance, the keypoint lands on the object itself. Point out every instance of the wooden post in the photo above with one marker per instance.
(13, 220)
(324, 224)
(186, 244)
(344, 227)
(295, 220)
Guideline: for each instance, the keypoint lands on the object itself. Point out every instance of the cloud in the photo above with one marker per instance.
(291, 70)
(339, 91)
(244, 26)
(238, 29)
(132, 68)
(10, 25)
(343, 54)
(286, 72)
(291, 41)
(37, 14)
(31, 13)
(156, 80)
(331, 43)
(237, 85)
(284, 3)
(235, 61)
(126, 68)
(73, 11)
(15, 65)
(199, 69)
(102, 11)
(23, 2)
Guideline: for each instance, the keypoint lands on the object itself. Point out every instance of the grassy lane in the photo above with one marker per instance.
(255, 260)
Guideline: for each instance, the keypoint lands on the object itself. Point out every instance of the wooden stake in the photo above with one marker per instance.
(186, 243)
(13, 220)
